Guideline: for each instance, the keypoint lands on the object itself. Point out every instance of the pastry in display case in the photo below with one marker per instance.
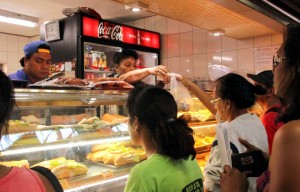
(202, 121)
(81, 136)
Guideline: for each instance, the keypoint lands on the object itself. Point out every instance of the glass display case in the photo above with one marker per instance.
(81, 135)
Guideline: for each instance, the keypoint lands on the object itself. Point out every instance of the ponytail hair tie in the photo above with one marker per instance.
(170, 120)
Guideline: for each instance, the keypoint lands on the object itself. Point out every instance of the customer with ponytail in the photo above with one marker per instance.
(167, 140)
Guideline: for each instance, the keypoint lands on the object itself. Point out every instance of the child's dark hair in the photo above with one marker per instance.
(236, 89)
(156, 110)
(126, 53)
(7, 102)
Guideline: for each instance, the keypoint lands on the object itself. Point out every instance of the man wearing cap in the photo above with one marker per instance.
(269, 102)
(36, 63)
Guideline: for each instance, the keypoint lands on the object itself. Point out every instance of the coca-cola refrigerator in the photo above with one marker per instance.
(84, 46)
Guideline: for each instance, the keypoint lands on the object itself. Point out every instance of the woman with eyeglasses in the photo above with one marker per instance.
(284, 169)
(232, 96)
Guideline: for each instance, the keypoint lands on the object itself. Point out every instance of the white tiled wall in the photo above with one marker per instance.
(188, 50)
(185, 49)
(11, 51)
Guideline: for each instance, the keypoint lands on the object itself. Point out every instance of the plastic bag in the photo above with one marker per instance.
(181, 94)
(86, 10)
(216, 71)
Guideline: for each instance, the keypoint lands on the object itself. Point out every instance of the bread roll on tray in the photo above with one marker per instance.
(63, 168)
(21, 163)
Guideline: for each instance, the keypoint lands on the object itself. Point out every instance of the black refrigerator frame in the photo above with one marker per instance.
(70, 46)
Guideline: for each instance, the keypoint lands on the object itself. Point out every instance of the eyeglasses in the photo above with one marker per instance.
(277, 60)
(214, 101)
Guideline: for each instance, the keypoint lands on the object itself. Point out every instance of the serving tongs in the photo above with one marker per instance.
(57, 75)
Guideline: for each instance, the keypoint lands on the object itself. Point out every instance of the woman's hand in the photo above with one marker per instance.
(251, 147)
(232, 180)
(161, 72)
(158, 70)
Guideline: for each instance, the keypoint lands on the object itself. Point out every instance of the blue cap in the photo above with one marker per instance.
(36, 47)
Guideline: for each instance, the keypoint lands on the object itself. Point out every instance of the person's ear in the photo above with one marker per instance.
(136, 125)
(117, 68)
(25, 61)
(227, 103)
(270, 91)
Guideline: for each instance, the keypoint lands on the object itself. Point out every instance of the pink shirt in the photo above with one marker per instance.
(21, 180)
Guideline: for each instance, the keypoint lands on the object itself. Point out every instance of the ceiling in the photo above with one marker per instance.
(238, 20)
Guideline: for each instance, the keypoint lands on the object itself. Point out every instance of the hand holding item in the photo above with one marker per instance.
(178, 76)
(161, 72)
(232, 180)
(251, 147)
(158, 70)
(185, 81)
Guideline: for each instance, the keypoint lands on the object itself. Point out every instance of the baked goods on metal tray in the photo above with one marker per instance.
(21, 163)
(114, 118)
(63, 168)
(116, 154)
(17, 126)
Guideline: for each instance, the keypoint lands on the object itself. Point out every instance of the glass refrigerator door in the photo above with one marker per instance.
(147, 59)
(98, 60)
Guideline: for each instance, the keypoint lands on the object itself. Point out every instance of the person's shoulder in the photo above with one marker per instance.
(13, 75)
(18, 75)
(139, 170)
(246, 119)
(288, 135)
(290, 129)
(151, 163)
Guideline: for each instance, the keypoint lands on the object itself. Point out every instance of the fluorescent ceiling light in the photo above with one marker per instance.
(216, 32)
(18, 19)
(135, 9)
(136, 6)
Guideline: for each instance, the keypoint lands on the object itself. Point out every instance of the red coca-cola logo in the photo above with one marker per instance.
(103, 29)
(110, 32)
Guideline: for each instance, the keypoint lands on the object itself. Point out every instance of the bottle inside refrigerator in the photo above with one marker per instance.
(98, 60)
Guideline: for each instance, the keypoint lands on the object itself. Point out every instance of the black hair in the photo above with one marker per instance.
(126, 53)
(22, 61)
(236, 89)
(260, 90)
(7, 102)
(156, 110)
(291, 97)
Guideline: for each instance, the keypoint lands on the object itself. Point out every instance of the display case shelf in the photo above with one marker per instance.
(61, 111)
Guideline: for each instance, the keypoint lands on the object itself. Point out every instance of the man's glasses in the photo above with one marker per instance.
(215, 100)
(277, 60)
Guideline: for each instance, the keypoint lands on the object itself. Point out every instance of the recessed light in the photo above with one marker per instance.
(136, 6)
(216, 32)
